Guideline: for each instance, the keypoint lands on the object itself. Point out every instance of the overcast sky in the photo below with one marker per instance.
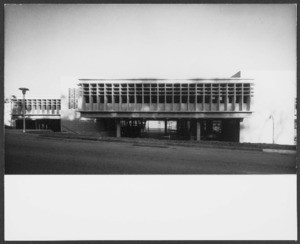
(46, 42)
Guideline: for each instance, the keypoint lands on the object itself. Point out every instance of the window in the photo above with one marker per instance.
(161, 99)
(131, 98)
(199, 99)
(101, 98)
(192, 99)
(222, 99)
(139, 99)
(215, 99)
(154, 99)
(146, 99)
(169, 99)
(207, 99)
(124, 99)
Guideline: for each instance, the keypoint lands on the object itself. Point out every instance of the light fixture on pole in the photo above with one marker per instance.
(271, 117)
(23, 89)
(12, 100)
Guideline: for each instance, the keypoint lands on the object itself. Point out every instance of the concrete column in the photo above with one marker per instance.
(211, 96)
(172, 96)
(188, 98)
(196, 96)
(166, 127)
(118, 128)
(242, 98)
(203, 97)
(198, 136)
(234, 96)
(105, 99)
(180, 96)
(127, 96)
(157, 98)
(135, 107)
(188, 127)
(226, 98)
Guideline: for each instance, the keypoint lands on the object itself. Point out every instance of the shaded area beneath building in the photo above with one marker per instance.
(39, 124)
(181, 129)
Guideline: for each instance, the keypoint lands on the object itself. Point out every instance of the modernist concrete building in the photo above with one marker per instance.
(40, 113)
(207, 109)
(201, 108)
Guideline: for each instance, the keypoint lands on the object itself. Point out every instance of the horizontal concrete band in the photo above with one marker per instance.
(37, 116)
(168, 81)
(166, 115)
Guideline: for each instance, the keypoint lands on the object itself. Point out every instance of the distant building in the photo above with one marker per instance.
(40, 114)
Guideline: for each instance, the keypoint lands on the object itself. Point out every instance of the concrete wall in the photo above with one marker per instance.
(274, 94)
(70, 118)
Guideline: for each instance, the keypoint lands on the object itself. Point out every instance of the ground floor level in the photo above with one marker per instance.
(186, 129)
(183, 129)
(39, 124)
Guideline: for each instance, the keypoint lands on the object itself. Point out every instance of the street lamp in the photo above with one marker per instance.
(23, 89)
(271, 117)
(12, 99)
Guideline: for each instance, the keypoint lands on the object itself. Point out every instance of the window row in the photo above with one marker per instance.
(163, 88)
(165, 99)
(39, 107)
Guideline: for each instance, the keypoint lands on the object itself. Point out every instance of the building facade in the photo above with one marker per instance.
(201, 108)
(39, 114)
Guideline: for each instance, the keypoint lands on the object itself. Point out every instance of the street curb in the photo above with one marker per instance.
(151, 143)
(279, 151)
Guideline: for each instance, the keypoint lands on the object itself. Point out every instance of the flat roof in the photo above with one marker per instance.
(149, 80)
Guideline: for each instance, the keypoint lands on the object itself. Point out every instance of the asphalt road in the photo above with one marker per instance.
(31, 154)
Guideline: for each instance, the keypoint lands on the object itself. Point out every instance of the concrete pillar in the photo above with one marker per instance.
(118, 125)
(198, 136)
(166, 127)
(188, 125)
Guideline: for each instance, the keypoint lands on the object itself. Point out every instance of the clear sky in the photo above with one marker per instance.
(46, 42)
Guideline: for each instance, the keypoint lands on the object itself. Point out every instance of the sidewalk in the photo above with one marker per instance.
(268, 148)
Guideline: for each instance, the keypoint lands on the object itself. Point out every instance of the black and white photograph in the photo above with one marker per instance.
(150, 122)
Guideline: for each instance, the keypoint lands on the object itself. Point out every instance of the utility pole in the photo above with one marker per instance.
(23, 89)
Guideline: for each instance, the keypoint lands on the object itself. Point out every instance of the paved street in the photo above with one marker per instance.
(31, 154)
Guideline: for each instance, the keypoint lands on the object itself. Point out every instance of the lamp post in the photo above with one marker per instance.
(23, 89)
(271, 117)
(12, 99)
